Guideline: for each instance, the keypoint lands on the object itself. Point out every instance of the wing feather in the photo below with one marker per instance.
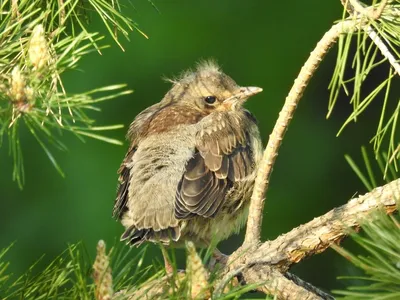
(222, 157)
(120, 204)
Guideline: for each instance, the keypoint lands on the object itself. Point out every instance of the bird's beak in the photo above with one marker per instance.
(241, 95)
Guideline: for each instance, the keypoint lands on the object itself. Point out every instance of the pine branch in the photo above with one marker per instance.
(266, 266)
(40, 40)
(286, 114)
(356, 8)
(319, 234)
(382, 27)
(281, 125)
(378, 257)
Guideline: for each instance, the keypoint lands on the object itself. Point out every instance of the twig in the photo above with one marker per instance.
(14, 9)
(354, 7)
(225, 280)
(307, 286)
(373, 13)
(383, 48)
(275, 140)
(62, 14)
(282, 287)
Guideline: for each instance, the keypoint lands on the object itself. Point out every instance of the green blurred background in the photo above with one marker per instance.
(259, 43)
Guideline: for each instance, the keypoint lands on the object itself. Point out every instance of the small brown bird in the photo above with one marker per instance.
(190, 168)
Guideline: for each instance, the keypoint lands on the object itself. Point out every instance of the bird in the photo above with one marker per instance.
(190, 168)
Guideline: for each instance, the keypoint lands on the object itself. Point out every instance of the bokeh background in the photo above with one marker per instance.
(259, 43)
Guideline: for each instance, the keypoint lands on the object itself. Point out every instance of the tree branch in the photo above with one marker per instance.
(262, 264)
(308, 286)
(383, 48)
(275, 140)
(356, 8)
(282, 286)
(317, 235)
(267, 264)
(253, 229)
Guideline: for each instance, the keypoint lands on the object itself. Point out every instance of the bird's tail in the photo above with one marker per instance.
(135, 236)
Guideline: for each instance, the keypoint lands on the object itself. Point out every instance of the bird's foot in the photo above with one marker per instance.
(217, 259)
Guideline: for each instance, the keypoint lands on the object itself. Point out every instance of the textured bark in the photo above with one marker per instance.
(283, 286)
(262, 263)
(317, 235)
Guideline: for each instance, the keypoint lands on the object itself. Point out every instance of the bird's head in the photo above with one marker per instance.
(193, 96)
(208, 89)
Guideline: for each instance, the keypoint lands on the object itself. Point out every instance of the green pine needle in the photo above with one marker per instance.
(364, 61)
(380, 260)
(40, 41)
(69, 276)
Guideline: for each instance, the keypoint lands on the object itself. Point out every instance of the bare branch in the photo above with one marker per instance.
(275, 140)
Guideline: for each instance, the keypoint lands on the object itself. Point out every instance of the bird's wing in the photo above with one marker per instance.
(150, 217)
(222, 157)
(136, 129)
(120, 204)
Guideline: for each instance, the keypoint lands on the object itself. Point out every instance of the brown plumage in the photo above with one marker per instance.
(191, 164)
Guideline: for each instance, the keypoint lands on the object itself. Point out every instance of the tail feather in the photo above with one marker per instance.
(136, 237)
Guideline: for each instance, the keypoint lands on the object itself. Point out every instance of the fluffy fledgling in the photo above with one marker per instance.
(190, 168)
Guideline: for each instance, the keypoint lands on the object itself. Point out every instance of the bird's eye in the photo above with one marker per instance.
(210, 99)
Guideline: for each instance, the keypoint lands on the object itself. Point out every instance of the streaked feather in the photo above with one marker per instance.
(222, 158)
